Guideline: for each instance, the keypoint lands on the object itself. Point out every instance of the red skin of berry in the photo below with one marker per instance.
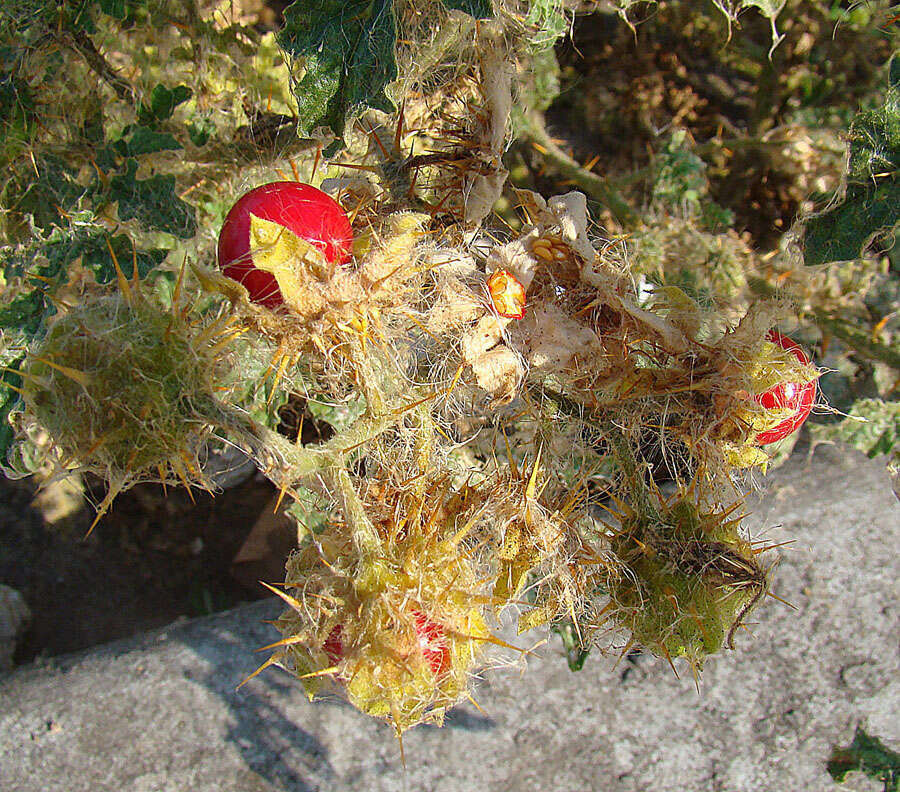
(799, 397)
(430, 636)
(305, 211)
(433, 643)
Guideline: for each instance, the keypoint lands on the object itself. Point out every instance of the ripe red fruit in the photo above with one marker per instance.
(433, 642)
(796, 396)
(302, 209)
(430, 636)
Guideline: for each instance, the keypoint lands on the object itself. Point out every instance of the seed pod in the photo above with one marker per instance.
(688, 578)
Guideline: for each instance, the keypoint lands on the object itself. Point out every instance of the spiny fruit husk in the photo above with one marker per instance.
(359, 619)
(125, 389)
(688, 578)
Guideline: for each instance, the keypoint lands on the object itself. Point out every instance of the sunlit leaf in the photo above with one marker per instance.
(344, 55)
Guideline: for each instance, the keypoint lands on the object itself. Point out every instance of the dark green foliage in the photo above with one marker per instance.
(345, 51)
(871, 204)
(153, 202)
(143, 140)
(480, 9)
(28, 311)
(162, 104)
(868, 755)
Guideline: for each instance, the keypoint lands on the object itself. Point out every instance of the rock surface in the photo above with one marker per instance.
(161, 712)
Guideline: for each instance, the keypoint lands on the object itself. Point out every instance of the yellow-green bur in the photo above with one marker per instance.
(688, 578)
(116, 384)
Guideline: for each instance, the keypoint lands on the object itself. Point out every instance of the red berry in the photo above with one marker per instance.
(305, 211)
(334, 646)
(796, 396)
(433, 642)
(430, 636)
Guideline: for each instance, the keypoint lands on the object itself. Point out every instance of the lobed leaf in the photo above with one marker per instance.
(871, 202)
(346, 52)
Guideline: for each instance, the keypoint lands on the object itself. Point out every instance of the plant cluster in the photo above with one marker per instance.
(505, 401)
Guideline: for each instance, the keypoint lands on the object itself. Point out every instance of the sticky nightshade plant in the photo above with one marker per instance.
(500, 398)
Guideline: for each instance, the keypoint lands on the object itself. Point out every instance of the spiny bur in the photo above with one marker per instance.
(687, 579)
(125, 389)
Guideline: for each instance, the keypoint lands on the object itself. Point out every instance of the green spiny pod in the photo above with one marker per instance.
(125, 389)
(687, 580)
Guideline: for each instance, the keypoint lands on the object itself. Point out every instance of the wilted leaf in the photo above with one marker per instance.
(345, 51)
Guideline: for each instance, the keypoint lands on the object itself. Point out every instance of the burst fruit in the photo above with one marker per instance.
(796, 396)
(507, 294)
(303, 210)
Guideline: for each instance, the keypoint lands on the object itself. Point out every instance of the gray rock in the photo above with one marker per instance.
(161, 712)
(14, 618)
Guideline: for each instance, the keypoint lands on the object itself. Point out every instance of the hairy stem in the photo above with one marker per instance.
(533, 130)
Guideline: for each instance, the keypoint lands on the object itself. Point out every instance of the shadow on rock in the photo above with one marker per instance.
(272, 746)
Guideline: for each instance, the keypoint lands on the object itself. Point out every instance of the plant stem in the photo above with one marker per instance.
(858, 338)
(533, 130)
(84, 46)
(368, 543)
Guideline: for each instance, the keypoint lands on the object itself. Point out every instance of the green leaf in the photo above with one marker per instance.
(871, 201)
(873, 426)
(841, 233)
(868, 755)
(28, 311)
(549, 17)
(200, 130)
(310, 510)
(346, 51)
(480, 9)
(144, 140)
(163, 102)
(153, 202)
